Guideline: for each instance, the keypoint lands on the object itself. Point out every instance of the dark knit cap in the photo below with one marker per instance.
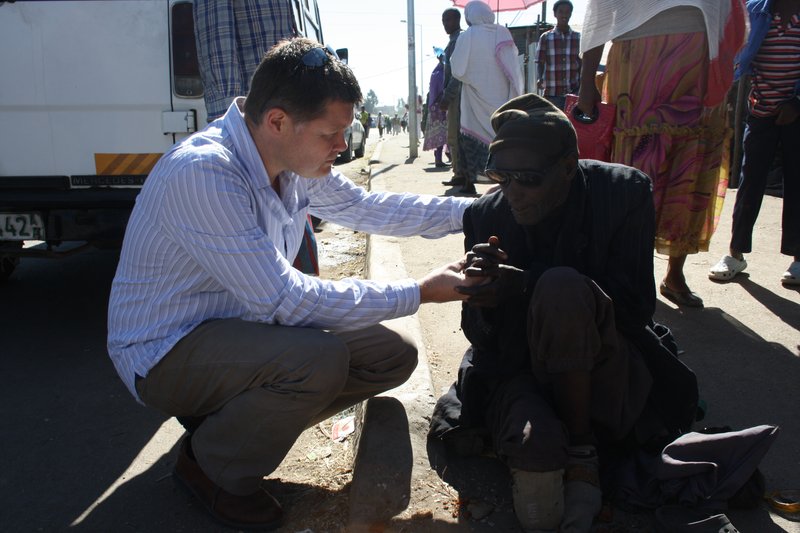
(530, 121)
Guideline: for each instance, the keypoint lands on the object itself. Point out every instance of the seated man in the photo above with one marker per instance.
(209, 322)
(563, 353)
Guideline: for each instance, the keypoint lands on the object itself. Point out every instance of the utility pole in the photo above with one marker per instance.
(412, 83)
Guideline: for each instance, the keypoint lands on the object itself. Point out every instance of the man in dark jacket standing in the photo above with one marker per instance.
(451, 96)
(563, 348)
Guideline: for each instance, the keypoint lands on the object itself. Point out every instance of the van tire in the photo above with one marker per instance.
(7, 262)
(360, 150)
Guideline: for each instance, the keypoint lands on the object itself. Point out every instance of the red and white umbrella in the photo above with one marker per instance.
(502, 5)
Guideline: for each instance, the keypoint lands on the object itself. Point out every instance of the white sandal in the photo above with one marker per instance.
(792, 274)
(727, 268)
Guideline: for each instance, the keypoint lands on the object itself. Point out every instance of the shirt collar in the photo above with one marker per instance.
(236, 126)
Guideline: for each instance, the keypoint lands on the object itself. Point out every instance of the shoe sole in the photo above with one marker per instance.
(222, 520)
(724, 276)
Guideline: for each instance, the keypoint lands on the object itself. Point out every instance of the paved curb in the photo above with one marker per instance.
(391, 428)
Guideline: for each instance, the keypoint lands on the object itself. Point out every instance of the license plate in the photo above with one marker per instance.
(21, 227)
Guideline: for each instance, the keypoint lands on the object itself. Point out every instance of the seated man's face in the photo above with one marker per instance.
(534, 185)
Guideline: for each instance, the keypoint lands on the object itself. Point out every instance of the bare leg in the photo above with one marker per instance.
(675, 279)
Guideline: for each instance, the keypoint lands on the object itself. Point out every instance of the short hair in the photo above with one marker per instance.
(560, 3)
(452, 12)
(282, 80)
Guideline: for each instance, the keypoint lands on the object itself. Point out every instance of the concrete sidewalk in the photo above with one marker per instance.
(744, 347)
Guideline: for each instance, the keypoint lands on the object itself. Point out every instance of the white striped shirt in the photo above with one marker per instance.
(209, 238)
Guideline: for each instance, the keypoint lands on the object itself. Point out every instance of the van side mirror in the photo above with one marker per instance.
(342, 53)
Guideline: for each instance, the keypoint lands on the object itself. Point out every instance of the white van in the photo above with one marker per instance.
(91, 94)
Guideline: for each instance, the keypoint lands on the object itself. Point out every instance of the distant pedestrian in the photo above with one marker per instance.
(436, 123)
(380, 124)
(485, 61)
(363, 118)
(558, 61)
(772, 59)
(450, 101)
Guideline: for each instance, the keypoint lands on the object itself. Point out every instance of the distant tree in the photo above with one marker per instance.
(371, 101)
(401, 106)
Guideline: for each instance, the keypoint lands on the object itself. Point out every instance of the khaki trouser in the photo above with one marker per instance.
(256, 387)
(453, 128)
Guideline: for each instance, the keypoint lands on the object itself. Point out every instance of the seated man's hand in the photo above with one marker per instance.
(507, 282)
(441, 284)
(487, 260)
(485, 254)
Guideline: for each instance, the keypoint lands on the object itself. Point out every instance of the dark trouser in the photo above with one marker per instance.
(761, 139)
(473, 155)
(570, 328)
(251, 389)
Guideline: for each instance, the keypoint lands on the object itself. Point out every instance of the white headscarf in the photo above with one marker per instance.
(477, 12)
(486, 62)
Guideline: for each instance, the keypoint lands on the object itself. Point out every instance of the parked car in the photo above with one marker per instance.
(356, 141)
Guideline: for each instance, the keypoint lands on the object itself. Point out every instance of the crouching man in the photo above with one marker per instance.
(563, 348)
(209, 322)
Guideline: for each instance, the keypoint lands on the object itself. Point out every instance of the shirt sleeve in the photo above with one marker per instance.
(212, 216)
(339, 200)
(541, 51)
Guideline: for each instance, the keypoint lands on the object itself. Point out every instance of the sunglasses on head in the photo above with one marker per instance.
(317, 57)
(531, 178)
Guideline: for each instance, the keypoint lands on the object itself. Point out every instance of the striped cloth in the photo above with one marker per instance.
(232, 37)
(209, 238)
(776, 67)
(558, 52)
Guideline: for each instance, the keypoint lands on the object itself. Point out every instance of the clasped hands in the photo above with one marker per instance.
(481, 278)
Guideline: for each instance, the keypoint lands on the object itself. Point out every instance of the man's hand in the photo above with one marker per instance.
(440, 285)
(788, 112)
(485, 254)
(487, 260)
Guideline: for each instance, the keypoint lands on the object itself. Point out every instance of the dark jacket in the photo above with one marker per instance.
(605, 231)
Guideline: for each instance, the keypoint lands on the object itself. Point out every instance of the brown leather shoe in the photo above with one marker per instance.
(254, 511)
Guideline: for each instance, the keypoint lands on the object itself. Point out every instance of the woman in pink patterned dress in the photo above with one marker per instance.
(668, 72)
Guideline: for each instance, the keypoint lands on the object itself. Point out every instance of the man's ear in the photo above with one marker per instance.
(276, 120)
(570, 165)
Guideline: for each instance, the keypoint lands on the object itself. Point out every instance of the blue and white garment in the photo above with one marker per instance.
(209, 238)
